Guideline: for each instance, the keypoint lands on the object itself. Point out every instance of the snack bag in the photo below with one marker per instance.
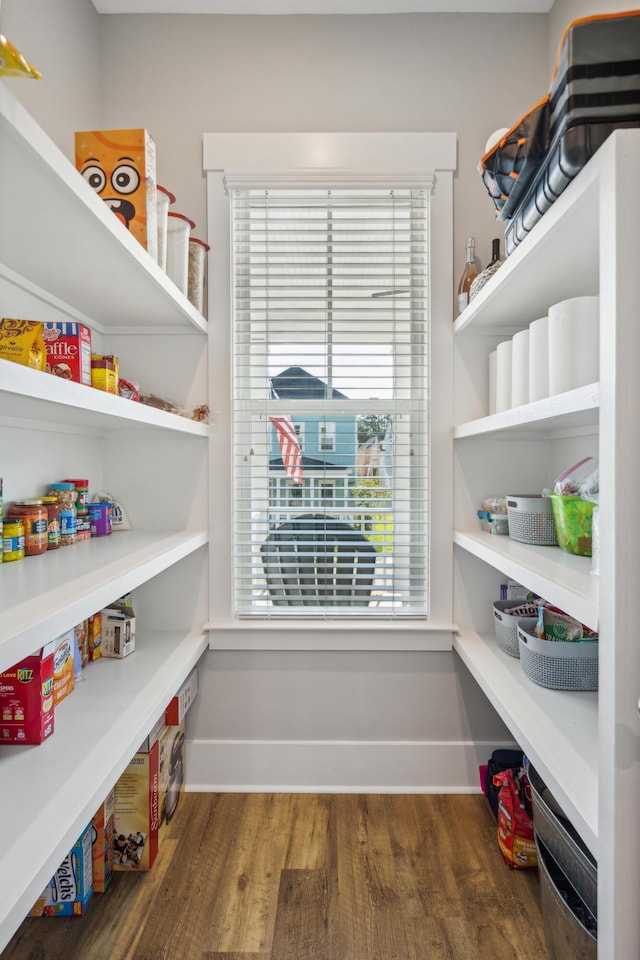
(515, 823)
(22, 342)
(13, 64)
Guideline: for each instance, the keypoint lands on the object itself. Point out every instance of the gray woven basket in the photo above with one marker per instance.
(531, 519)
(506, 627)
(558, 665)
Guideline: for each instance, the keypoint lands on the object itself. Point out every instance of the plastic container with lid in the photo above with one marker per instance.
(82, 489)
(12, 540)
(163, 200)
(100, 518)
(198, 250)
(53, 522)
(179, 228)
(33, 514)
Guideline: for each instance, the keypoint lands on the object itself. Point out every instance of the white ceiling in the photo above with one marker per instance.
(322, 6)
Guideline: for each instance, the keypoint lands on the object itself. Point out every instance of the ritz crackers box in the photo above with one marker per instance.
(137, 813)
(26, 698)
(120, 165)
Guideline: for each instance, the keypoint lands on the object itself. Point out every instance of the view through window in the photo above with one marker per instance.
(330, 401)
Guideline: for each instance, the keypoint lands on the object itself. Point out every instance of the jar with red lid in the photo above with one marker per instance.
(33, 514)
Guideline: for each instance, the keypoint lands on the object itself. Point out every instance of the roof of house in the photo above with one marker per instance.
(296, 383)
(309, 464)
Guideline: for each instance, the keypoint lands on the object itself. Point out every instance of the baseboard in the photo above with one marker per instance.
(335, 766)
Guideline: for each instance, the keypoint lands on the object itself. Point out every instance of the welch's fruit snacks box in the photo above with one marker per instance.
(71, 887)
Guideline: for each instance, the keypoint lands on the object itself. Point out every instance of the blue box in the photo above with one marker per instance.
(71, 887)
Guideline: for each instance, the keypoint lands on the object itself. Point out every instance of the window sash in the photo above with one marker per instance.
(360, 264)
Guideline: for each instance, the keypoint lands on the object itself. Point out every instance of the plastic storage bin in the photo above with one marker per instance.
(179, 228)
(556, 664)
(198, 250)
(506, 627)
(573, 520)
(563, 842)
(531, 519)
(494, 522)
(163, 199)
(570, 929)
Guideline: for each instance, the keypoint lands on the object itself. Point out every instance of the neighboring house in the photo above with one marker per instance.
(328, 445)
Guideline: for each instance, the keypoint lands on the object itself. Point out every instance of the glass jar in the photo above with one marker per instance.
(82, 489)
(12, 540)
(53, 522)
(33, 514)
(66, 495)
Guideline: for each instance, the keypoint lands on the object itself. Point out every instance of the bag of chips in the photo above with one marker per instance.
(13, 64)
(22, 342)
(515, 821)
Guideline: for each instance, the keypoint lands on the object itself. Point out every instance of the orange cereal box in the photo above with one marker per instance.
(120, 165)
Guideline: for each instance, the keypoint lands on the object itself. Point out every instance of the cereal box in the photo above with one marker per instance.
(102, 844)
(63, 667)
(170, 774)
(68, 348)
(71, 887)
(185, 696)
(120, 165)
(118, 633)
(136, 813)
(26, 698)
(94, 624)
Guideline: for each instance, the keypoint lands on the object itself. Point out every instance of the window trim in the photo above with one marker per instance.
(411, 159)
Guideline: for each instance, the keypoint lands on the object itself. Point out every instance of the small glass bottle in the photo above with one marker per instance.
(469, 274)
(488, 271)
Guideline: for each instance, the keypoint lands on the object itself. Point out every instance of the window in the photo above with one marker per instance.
(330, 316)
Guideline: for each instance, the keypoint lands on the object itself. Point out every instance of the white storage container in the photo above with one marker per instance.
(198, 250)
(179, 229)
(163, 199)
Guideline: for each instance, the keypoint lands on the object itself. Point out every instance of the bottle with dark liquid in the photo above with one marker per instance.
(469, 274)
(489, 270)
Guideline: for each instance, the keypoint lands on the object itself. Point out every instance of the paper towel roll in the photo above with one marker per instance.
(520, 369)
(503, 375)
(539, 359)
(574, 344)
(492, 381)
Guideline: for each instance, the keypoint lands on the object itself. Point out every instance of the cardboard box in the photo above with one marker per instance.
(26, 698)
(136, 813)
(71, 887)
(120, 165)
(118, 633)
(105, 372)
(102, 844)
(63, 667)
(95, 636)
(178, 706)
(154, 735)
(171, 771)
(68, 347)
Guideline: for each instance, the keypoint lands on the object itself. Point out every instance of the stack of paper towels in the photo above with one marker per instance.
(556, 353)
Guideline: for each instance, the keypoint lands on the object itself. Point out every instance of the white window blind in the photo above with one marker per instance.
(330, 335)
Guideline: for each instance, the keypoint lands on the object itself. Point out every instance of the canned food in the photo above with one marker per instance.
(33, 514)
(12, 540)
(100, 519)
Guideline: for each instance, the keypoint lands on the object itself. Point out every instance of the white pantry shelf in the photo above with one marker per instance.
(49, 400)
(574, 410)
(561, 578)
(557, 729)
(51, 791)
(67, 241)
(45, 595)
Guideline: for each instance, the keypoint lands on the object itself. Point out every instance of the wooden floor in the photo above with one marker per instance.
(310, 877)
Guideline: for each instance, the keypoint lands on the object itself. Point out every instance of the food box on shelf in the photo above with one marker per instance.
(137, 814)
(26, 698)
(102, 844)
(63, 667)
(68, 347)
(118, 633)
(171, 774)
(178, 706)
(120, 165)
(71, 887)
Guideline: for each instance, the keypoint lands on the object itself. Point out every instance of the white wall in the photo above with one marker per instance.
(61, 39)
